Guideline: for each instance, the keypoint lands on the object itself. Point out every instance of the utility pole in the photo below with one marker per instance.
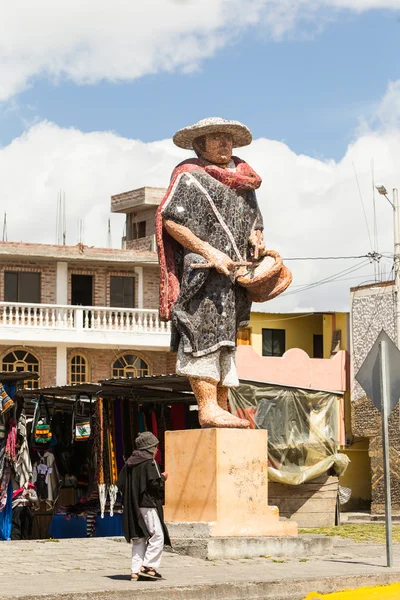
(396, 233)
(396, 263)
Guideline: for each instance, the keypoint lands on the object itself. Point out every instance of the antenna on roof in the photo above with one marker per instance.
(5, 239)
(109, 239)
(123, 239)
(61, 220)
(81, 231)
(64, 230)
(58, 220)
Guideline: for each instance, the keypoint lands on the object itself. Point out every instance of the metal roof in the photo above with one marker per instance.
(159, 388)
(6, 376)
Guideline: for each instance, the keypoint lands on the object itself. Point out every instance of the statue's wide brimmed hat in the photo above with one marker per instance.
(241, 134)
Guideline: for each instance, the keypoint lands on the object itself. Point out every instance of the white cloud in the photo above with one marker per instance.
(89, 41)
(311, 207)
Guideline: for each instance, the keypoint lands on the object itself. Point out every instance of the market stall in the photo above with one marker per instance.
(92, 429)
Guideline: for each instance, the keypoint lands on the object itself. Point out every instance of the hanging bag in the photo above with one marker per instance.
(42, 435)
(81, 420)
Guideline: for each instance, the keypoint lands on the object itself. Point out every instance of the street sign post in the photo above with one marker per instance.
(379, 376)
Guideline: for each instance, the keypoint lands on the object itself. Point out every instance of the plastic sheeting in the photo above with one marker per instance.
(303, 429)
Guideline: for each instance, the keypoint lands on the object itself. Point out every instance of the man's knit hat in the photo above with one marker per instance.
(146, 441)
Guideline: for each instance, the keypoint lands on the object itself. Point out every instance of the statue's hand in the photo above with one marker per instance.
(257, 243)
(219, 260)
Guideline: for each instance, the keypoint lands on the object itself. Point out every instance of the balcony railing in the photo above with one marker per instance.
(81, 318)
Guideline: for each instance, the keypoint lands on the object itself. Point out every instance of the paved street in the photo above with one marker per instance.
(99, 568)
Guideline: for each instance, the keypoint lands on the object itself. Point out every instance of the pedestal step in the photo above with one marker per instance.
(193, 539)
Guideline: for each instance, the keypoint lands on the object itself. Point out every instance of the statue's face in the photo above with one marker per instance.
(217, 148)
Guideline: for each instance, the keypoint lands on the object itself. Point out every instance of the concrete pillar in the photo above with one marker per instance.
(139, 273)
(62, 283)
(61, 365)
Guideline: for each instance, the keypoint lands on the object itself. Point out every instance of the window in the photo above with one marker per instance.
(318, 346)
(22, 286)
(138, 230)
(130, 365)
(244, 336)
(273, 342)
(78, 369)
(22, 360)
(122, 292)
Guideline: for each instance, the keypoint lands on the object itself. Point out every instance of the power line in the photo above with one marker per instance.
(371, 255)
(363, 207)
(327, 279)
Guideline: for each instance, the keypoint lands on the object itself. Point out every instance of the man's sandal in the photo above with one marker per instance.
(134, 576)
(149, 573)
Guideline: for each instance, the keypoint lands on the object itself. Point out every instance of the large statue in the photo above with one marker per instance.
(208, 225)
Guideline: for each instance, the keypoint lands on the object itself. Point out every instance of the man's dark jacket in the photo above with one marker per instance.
(141, 485)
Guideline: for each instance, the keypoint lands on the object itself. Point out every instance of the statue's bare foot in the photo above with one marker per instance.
(211, 416)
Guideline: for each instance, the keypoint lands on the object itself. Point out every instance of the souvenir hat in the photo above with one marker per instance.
(146, 441)
(241, 134)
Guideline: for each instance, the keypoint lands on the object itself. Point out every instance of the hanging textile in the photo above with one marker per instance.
(106, 439)
(23, 466)
(99, 440)
(142, 422)
(178, 416)
(6, 516)
(11, 444)
(154, 428)
(119, 441)
(4, 483)
(113, 490)
(5, 401)
(47, 479)
(127, 427)
(99, 448)
(111, 446)
(2, 457)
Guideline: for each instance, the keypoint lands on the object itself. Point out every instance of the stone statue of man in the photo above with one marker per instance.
(209, 216)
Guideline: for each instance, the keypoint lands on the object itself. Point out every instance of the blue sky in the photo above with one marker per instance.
(309, 90)
(319, 88)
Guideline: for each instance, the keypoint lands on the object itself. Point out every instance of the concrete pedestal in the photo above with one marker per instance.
(219, 477)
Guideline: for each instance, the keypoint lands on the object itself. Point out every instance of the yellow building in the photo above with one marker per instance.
(319, 334)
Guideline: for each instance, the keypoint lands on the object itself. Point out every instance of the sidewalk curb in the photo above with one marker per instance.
(294, 589)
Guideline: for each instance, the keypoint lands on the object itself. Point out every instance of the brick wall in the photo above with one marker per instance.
(366, 422)
(101, 283)
(46, 357)
(100, 361)
(149, 216)
(371, 310)
(151, 283)
(147, 243)
(48, 277)
(101, 280)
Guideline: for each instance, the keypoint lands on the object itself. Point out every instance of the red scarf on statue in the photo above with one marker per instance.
(243, 178)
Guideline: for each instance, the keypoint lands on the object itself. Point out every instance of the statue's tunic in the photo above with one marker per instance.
(210, 307)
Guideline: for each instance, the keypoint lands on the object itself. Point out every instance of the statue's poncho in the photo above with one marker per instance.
(220, 207)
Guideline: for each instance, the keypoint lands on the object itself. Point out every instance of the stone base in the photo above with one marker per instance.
(311, 504)
(219, 477)
(195, 539)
